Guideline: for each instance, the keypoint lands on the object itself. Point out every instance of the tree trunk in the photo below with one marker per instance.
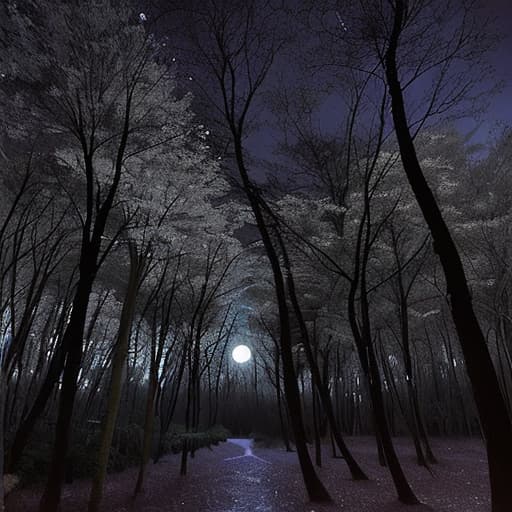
(315, 488)
(73, 340)
(489, 400)
(283, 425)
(418, 430)
(27, 425)
(166, 418)
(116, 382)
(2, 437)
(404, 491)
(355, 470)
(29, 421)
(149, 416)
(370, 368)
(316, 427)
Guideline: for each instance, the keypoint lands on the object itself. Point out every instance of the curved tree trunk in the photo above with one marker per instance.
(418, 430)
(492, 410)
(53, 373)
(355, 470)
(315, 488)
(28, 423)
(371, 371)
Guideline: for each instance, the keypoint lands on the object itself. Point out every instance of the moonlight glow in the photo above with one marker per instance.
(241, 354)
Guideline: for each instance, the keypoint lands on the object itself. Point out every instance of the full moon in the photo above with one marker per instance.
(241, 354)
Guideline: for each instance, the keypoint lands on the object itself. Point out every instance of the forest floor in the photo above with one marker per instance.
(269, 480)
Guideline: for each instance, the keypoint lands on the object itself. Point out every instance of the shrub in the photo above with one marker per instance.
(177, 436)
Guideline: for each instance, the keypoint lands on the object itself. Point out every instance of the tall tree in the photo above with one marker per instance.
(235, 44)
(436, 43)
(87, 73)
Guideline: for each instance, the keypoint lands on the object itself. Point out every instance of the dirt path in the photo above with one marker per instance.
(238, 477)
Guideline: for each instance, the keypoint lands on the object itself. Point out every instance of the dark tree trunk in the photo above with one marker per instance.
(489, 400)
(149, 415)
(405, 493)
(417, 428)
(408, 414)
(355, 470)
(27, 425)
(53, 373)
(315, 488)
(73, 340)
(316, 427)
(362, 332)
(370, 368)
(282, 423)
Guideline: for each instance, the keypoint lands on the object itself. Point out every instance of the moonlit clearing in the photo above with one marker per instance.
(241, 354)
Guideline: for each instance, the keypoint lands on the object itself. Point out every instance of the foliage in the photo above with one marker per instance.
(178, 436)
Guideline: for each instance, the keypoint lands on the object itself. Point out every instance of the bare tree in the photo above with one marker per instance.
(402, 44)
(235, 44)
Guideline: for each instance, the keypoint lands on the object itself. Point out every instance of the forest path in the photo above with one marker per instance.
(240, 476)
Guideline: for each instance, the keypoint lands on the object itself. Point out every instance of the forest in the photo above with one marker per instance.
(276, 226)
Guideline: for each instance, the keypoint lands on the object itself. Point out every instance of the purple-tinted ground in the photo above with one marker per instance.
(234, 478)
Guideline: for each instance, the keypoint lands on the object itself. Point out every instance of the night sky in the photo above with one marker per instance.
(500, 109)
(262, 141)
(485, 129)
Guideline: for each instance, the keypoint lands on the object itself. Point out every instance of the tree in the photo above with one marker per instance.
(157, 217)
(235, 44)
(364, 162)
(409, 41)
(106, 102)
